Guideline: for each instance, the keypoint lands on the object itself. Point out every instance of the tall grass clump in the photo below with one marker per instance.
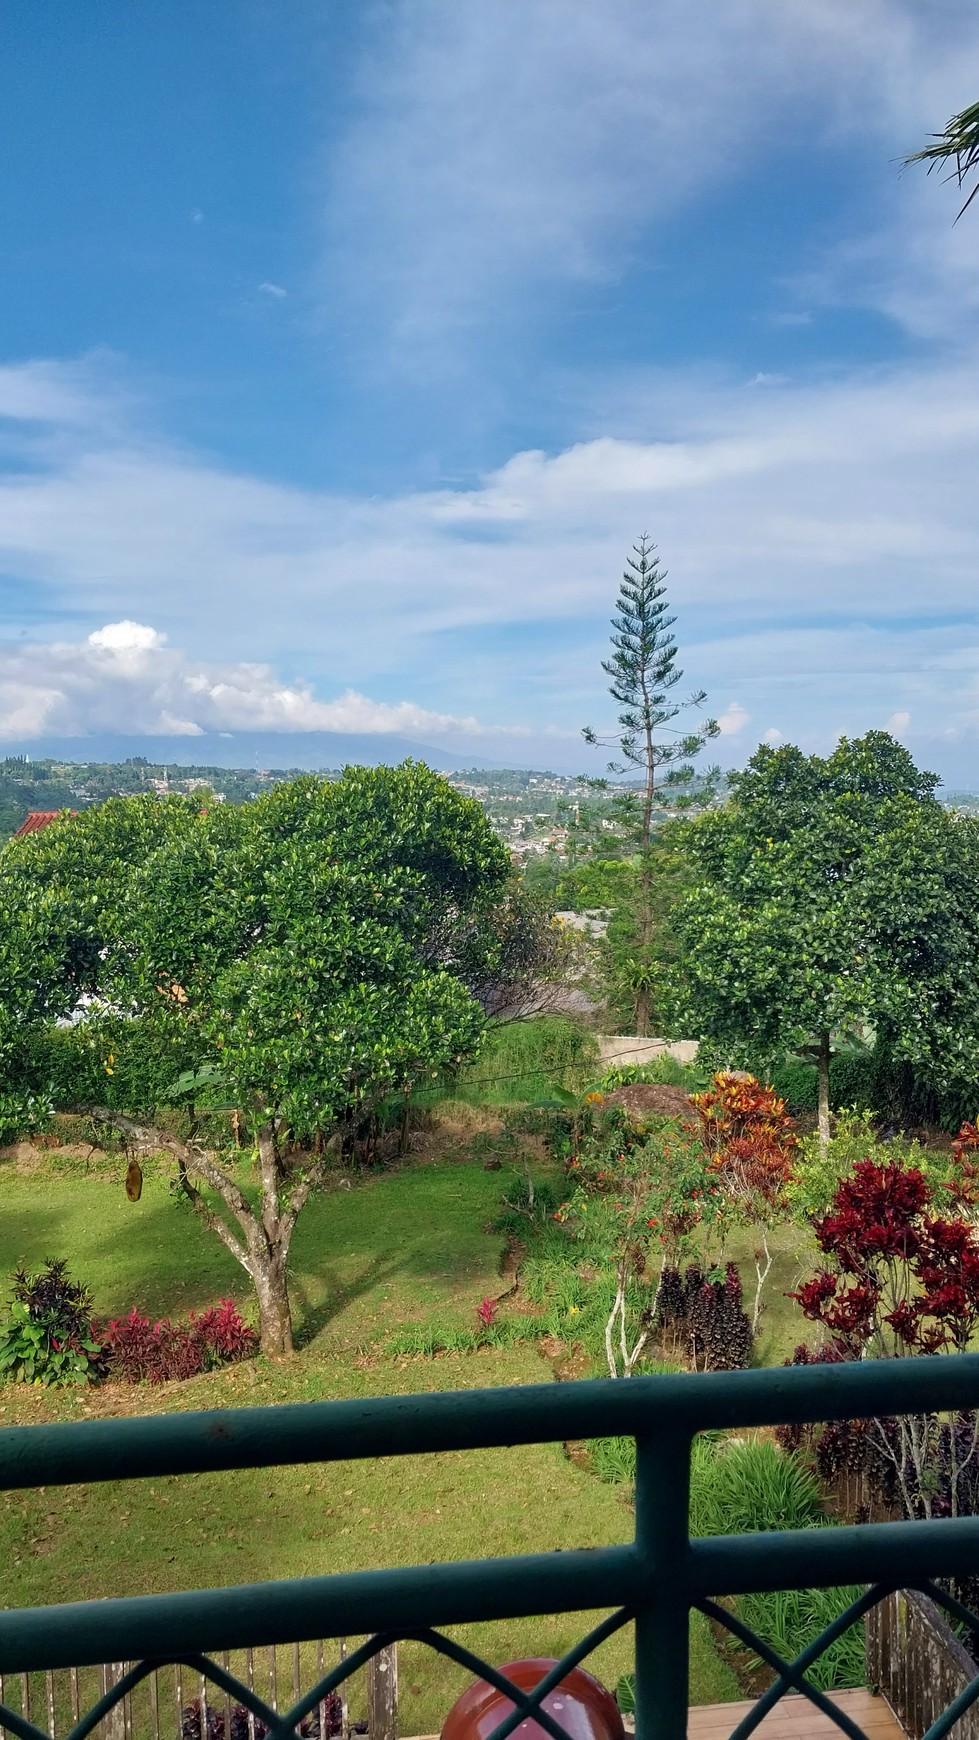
(749, 1487)
(524, 1061)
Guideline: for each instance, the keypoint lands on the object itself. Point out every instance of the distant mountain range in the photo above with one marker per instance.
(269, 749)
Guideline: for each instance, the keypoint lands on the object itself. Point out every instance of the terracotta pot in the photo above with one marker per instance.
(582, 1705)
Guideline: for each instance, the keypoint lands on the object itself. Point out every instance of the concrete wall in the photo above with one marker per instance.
(622, 1048)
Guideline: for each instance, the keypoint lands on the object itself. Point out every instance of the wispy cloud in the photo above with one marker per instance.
(806, 530)
(495, 151)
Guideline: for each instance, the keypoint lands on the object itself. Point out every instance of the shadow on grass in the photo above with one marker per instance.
(315, 1318)
(32, 1236)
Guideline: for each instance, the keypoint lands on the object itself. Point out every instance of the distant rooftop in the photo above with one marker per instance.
(36, 820)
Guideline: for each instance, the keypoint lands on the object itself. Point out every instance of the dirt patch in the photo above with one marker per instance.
(511, 1262)
(646, 1100)
(752, 1675)
(577, 1451)
(566, 1363)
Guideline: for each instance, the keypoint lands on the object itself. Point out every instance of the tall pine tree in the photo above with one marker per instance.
(644, 675)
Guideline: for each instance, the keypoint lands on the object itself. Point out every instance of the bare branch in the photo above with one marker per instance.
(148, 1138)
(215, 1224)
(299, 1198)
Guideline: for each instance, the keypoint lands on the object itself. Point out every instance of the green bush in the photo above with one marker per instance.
(21, 1114)
(117, 1063)
(816, 1176)
(750, 1486)
(789, 1619)
(49, 1337)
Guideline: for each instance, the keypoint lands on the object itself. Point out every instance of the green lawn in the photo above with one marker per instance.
(397, 1246)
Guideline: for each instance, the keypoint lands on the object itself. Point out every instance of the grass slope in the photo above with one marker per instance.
(393, 1248)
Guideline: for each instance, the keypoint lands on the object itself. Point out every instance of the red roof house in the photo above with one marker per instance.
(38, 819)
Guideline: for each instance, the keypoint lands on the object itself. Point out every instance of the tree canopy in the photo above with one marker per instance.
(302, 958)
(829, 897)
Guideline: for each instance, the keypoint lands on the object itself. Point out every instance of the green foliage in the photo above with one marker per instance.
(596, 885)
(21, 1114)
(749, 1487)
(319, 944)
(49, 1337)
(828, 895)
(817, 1176)
(789, 1619)
(664, 1070)
(643, 677)
(643, 674)
(529, 1205)
(437, 1337)
(957, 146)
(869, 1078)
(523, 1061)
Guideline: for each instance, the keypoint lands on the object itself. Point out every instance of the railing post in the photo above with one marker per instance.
(382, 1694)
(663, 1623)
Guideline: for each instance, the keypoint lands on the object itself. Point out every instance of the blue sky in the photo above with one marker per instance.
(345, 349)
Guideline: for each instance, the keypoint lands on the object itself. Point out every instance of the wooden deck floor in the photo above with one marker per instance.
(795, 1718)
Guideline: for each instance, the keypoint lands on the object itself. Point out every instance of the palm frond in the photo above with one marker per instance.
(958, 145)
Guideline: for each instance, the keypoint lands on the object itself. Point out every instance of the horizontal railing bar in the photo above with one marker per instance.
(299, 1610)
(897, 1552)
(195, 1443)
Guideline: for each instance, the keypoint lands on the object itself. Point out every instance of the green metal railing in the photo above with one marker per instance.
(654, 1580)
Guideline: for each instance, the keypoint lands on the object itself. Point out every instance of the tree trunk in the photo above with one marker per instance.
(261, 1242)
(274, 1315)
(822, 1066)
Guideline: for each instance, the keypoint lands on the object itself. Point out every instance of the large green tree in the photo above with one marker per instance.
(300, 958)
(829, 898)
(644, 677)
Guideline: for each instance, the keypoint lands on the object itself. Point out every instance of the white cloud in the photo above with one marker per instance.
(805, 530)
(772, 737)
(898, 723)
(733, 719)
(275, 290)
(124, 679)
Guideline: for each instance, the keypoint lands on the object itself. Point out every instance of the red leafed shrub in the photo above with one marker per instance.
(225, 1333)
(964, 1150)
(486, 1311)
(137, 1350)
(900, 1280)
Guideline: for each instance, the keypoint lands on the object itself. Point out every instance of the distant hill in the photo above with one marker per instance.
(273, 749)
